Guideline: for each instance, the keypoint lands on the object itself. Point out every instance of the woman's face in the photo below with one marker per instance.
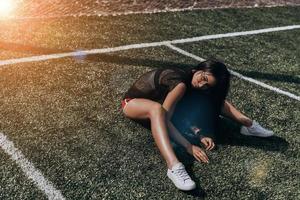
(203, 80)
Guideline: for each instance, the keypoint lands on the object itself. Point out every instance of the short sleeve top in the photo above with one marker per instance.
(156, 84)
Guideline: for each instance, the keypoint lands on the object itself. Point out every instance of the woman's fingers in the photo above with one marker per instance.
(205, 142)
(209, 144)
(202, 155)
(212, 145)
(203, 158)
(197, 158)
(199, 154)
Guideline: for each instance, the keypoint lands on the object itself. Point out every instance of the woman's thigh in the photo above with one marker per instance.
(139, 108)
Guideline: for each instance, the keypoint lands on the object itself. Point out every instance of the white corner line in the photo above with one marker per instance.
(183, 52)
(235, 34)
(142, 45)
(277, 90)
(30, 171)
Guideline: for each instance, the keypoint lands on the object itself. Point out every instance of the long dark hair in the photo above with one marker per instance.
(222, 76)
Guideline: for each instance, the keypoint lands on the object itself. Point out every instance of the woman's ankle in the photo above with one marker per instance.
(171, 164)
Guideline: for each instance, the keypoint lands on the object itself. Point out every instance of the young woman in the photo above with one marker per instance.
(154, 97)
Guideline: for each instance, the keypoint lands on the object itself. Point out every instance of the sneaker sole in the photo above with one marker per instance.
(249, 134)
(192, 187)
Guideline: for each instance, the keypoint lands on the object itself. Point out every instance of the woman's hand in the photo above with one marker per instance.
(198, 153)
(208, 143)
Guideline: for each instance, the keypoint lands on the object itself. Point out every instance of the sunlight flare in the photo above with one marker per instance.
(6, 8)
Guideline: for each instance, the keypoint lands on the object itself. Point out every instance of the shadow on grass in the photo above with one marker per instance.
(229, 134)
(231, 137)
(122, 60)
(134, 61)
(30, 49)
(102, 57)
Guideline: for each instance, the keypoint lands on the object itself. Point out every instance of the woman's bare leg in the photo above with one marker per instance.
(230, 111)
(147, 109)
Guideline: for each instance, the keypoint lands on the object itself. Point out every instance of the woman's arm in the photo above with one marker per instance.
(172, 98)
(230, 111)
(169, 105)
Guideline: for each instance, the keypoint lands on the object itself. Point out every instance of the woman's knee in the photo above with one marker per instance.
(141, 110)
(156, 110)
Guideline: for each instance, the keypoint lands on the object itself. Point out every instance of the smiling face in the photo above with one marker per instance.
(203, 80)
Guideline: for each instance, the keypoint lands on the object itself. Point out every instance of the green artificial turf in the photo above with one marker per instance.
(64, 114)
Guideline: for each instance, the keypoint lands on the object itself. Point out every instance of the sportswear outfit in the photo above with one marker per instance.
(156, 84)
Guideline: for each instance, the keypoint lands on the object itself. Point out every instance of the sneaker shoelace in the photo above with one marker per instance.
(181, 172)
(257, 127)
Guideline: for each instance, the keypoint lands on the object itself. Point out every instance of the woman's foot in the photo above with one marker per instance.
(256, 130)
(180, 177)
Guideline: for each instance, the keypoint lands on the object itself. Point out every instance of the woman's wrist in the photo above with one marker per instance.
(189, 148)
(201, 136)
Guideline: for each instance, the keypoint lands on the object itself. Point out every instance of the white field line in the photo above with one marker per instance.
(143, 45)
(251, 80)
(31, 172)
(153, 11)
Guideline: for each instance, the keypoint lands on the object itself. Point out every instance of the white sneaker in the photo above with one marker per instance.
(180, 177)
(256, 130)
